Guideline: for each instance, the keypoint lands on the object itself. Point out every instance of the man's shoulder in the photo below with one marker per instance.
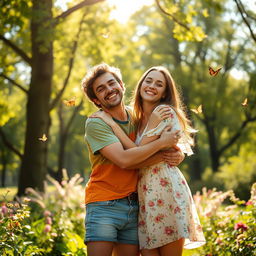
(95, 121)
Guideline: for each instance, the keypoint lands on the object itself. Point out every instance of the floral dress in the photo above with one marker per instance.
(167, 210)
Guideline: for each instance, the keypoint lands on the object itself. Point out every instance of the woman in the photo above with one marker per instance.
(168, 220)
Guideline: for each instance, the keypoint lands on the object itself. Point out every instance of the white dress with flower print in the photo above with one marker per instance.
(167, 210)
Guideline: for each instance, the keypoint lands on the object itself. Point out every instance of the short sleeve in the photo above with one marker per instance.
(98, 134)
(174, 122)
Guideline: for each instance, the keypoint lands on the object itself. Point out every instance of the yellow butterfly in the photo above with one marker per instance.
(197, 110)
(245, 102)
(44, 138)
(70, 103)
(106, 35)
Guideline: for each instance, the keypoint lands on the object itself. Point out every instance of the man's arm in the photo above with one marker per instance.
(133, 156)
(173, 158)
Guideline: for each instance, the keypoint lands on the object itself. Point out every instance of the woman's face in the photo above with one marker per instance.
(153, 87)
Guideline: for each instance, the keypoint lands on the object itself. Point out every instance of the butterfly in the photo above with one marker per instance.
(44, 138)
(213, 72)
(70, 103)
(106, 35)
(197, 110)
(245, 102)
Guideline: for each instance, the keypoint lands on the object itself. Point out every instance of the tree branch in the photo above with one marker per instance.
(9, 144)
(239, 7)
(74, 8)
(71, 63)
(14, 83)
(172, 16)
(20, 52)
(236, 135)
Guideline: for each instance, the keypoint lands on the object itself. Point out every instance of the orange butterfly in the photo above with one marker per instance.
(245, 102)
(44, 138)
(213, 72)
(197, 110)
(70, 103)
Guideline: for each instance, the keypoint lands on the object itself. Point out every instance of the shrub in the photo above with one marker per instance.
(229, 230)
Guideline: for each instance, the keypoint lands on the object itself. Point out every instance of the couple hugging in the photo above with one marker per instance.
(137, 200)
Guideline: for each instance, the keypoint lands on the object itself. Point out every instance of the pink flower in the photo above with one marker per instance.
(155, 170)
(148, 239)
(240, 225)
(159, 218)
(4, 209)
(183, 182)
(151, 204)
(160, 202)
(47, 213)
(164, 182)
(171, 115)
(144, 188)
(178, 195)
(47, 228)
(168, 231)
(177, 209)
(143, 208)
(48, 220)
(249, 202)
(142, 223)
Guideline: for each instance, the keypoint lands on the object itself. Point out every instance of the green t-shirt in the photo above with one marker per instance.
(107, 180)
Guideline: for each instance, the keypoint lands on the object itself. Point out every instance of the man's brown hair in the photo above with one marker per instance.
(96, 72)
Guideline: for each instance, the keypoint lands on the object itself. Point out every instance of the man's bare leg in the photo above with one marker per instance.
(125, 250)
(99, 248)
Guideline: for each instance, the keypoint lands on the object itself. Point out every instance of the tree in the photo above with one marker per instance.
(41, 61)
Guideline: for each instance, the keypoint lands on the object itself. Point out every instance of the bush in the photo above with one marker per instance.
(229, 230)
(50, 223)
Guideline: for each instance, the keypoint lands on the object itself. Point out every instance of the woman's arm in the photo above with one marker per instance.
(156, 117)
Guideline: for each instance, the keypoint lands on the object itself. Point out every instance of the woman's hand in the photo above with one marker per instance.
(107, 118)
(173, 157)
(159, 114)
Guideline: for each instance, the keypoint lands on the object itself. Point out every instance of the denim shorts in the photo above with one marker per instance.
(113, 221)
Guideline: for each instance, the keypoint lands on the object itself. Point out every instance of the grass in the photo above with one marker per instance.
(8, 193)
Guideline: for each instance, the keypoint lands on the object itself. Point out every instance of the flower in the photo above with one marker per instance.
(4, 209)
(177, 209)
(164, 182)
(249, 202)
(168, 231)
(144, 188)
(47, 213)
(160, 202)
(151, 204)
(47, 228)
(142, 223)
(159, 218)
(240, 225)
(155, 170)
(143, 208)
(48, 220)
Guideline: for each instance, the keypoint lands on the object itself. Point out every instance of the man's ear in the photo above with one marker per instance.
(96, 101)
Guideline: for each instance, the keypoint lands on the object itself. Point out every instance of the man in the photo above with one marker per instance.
(111, 199)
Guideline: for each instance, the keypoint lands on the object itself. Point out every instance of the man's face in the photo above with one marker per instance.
(108, 91)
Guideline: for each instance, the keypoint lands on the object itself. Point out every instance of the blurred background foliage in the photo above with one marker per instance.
(185, 36)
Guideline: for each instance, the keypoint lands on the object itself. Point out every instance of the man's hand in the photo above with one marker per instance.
(173, 157)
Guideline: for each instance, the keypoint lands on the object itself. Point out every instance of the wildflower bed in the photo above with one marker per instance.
(52, 223)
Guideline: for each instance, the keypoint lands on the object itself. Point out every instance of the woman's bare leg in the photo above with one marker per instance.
(151, 252)
(172, 249)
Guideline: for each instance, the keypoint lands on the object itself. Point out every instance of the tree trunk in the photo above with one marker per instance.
(4, 165)
(34, 163)
(214, 153)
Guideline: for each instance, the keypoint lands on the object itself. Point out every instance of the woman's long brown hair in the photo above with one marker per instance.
(172, 97)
